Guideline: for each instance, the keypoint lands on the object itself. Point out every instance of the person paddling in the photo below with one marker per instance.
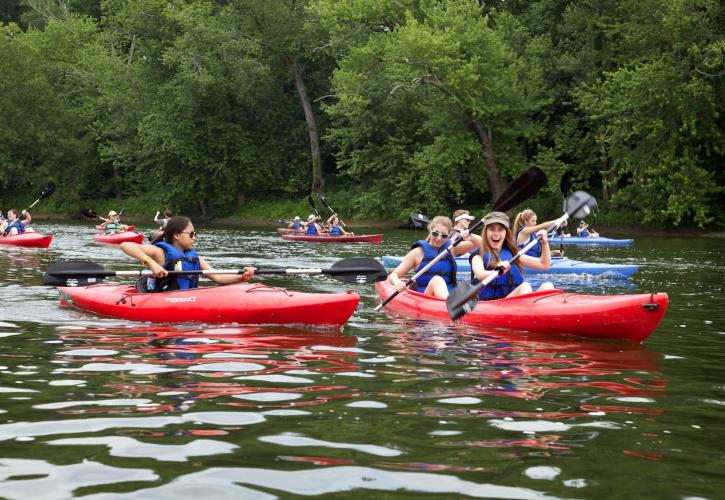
(13, 225)
(311, 227)
(525, 228)
(296, 223)
(497, 250)
(584, 231)
(175, 251)
(163, 220)
(113, 224)
(441, 277)
(334, 224)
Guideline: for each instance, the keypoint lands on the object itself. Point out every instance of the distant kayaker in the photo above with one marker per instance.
(13, 225)
(174, 251)
(311, 227)
(441, 277)
(525, 228)
(296, 223)
(163, 220)
(584, 231)
(334, 224)
(461, 220)
(498, 249)
(113, 224)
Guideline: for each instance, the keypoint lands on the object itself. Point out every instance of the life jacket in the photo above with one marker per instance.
(114, 227)
(503, 284)
(175, 260)
(534, 251)
(335, 230)
(445, 267)
(16, 224)
(584, 233)
(311, 229)
(297, 225)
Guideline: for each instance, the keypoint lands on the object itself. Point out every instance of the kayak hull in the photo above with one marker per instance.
(559, 265)
(625, 317)
(595, 241)
(375, 239)
(118, 238)
(28, 240)
(100, 227)
(249, 304)
(289, 230)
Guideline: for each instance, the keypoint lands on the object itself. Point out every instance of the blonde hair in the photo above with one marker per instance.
(521, 219)
(441, 220)
(494, 257)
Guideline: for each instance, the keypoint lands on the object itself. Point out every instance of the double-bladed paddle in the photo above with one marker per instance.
(91, 214)
(43, 194)
(419, 220)
(464, 297)
(82, 273)
(521, 189)
(324, 202)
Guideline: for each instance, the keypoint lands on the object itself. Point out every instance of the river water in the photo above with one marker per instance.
(389, 407)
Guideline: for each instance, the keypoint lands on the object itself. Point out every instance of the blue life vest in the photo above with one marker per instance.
(534, 251)
(16, 224)
(584, 233)
(297, 225)
(445, 268)
(311, 229)
(503, 284)
(335, 230)
(175, 260)
(114, 227)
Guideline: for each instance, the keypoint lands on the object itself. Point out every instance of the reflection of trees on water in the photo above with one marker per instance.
(172, 365)
(23, 265)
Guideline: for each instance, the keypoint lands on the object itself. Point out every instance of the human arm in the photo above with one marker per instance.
(27, 217)
(480, 272)
(148, 255)
(542, 263)
(227, 279)
(411, 260)
(526, 231)
(470, 241)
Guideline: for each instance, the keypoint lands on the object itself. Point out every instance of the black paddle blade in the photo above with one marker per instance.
(47, 191)
(580, 204)
(462, 300)
(521, 189)
(311, 201)
(74, 273)
(87, 212)
(123, 211)
(358, 270)
(419, 220)
(566, 182)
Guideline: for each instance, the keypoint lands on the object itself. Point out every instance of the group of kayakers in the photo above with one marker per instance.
(313, 226)
(13, 224)
(493, 249)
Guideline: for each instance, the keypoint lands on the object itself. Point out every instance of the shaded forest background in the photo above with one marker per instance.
(233, 107)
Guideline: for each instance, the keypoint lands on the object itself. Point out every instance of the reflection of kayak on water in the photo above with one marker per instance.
(559, 265)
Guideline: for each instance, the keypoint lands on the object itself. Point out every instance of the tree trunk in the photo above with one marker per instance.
(241, 200)
(202, 208)
(608, 173)
(498, 185)
(117, 182)
(318, 182)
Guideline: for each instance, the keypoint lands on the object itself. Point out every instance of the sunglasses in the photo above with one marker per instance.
(440, 235)
(192, 234)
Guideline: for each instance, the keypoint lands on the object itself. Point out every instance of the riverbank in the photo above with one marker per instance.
(233, 221)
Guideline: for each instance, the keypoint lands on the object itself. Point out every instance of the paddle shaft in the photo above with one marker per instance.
(46, 192)
(148, 272)
(324, 202)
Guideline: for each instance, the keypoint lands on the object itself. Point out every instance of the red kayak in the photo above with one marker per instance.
(289, 230)
(100, 227)
(630, 317)
(244, 303)
(362, 238)
(118, 238)
(28, 239)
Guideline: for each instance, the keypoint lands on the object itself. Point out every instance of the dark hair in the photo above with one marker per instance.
(168, 214)
(175, 226)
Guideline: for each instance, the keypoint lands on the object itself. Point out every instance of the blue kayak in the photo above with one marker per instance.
(559, 265)
(598, 240)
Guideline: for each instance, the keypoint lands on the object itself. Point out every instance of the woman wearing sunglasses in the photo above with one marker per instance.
(174, 250)
(441, 277)
(498, 249)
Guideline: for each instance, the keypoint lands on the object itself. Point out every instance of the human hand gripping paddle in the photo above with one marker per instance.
(82, 273)
(464, 297)
(324, 202)
(521, 189)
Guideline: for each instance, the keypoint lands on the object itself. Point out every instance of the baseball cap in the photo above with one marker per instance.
(497, 217)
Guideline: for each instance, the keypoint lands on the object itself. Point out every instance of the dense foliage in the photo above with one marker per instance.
(208, 106)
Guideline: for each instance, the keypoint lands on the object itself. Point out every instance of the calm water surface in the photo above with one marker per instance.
(389, 407)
